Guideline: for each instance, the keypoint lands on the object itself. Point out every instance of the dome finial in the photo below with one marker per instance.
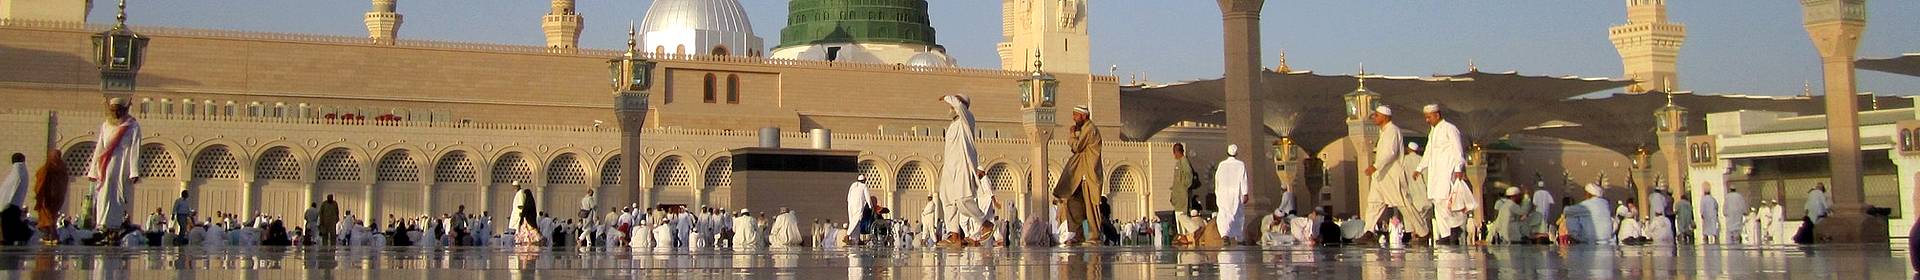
(1362, 76)
(120, 18)
(1471, 67)
(1036, 61)
(1283, 68)
(633, 45)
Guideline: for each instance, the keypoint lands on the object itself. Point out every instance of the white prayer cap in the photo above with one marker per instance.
(516, 183)
(862, 178)
(116, 101)
(1083, 109)
(1513, 191)
(1193, 212)
(1233, 150)
(1431, 108)
(1383, 110)
(1594, 189)
(1413, 146)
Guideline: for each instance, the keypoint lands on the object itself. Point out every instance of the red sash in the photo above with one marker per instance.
(100, 162)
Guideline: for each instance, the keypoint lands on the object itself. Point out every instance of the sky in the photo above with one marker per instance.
(1733, 46)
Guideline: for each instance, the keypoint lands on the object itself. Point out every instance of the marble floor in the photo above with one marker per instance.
(1884, 261)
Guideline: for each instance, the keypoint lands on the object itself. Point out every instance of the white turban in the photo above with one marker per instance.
(1413, 146)
(1594, 189)
(1431, 108)
(1513, 191)
(1233, 150)
(1083, 109)
(1383, 110)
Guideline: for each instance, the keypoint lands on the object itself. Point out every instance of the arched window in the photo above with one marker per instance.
(871, 169)
(1123, 180)
(707, 89)
(720, 173)
(397, 166)
(911, 176)
(1001, 177)
(454, 167)
(733, 89)
(216, 163)
(610, 172)
(277, 164)
(512, 167)
(78, 157)
(338, 165)
(566, 170)
(670, 181)
(156, 162)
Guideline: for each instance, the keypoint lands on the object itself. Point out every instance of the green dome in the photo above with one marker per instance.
(856, 21)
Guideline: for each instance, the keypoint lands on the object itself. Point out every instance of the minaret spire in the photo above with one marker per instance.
(1283, 68)
(1649, 45)
(562, 26)
(383, 21)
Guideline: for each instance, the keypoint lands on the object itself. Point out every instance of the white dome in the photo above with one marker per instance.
(709, 15)
(930, 59)
(699, 27)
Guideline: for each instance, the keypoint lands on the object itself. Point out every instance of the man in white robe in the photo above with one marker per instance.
(786, 230)
(1417, 216)
(1735, 209)
(1709, 215)
(1388, 181)
(114, 167)
(856, 206)
(1444, 168)
(985, 197)
(1542, 204)
(1819, 204)
(1230, 190)
(663, 233)
(745, 235)
(930, 220)
(959, 160)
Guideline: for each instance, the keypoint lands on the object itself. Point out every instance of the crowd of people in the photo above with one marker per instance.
(1415, 198)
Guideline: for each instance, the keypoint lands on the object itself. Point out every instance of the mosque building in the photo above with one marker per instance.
(266, 123)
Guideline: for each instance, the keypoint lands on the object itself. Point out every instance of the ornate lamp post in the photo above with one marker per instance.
(632, 78)
(1361, 132)
(1037, 94)
(119, 52)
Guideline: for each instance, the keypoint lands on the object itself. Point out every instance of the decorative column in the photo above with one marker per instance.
(1835, 27)
(1640, 175)
(1671, 129)
(1362, 134)
(1241, 20)
(632, 78)
(1037, 119)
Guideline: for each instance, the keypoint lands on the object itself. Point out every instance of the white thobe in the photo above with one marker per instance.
(745, 235)
(113, 167)
(14, 189)
(1818, 204)
(1657, 205)
(856, 204)
(930, 220)
(1445, 156)
(513, 221)
(642, 237)
(1388, 180)
(1230, 189)
(984, 196)
(662, 236)
(786, 231)
(959, 161)
(1709, 212)
(1736, 216)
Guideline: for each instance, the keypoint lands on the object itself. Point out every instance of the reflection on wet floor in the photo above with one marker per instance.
(1886, 261)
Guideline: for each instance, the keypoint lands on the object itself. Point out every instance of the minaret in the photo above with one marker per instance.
(1056, 29)
(562, 26)
(1649, 45)
(383, 22)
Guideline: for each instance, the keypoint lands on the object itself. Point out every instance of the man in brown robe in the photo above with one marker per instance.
(1080, 182)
